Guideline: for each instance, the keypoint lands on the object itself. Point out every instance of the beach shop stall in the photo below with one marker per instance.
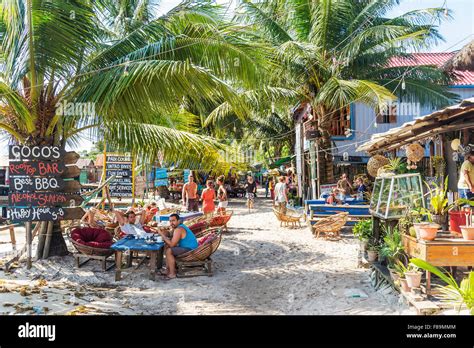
(425, 224)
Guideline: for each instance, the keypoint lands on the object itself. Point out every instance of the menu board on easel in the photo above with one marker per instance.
(122, 167)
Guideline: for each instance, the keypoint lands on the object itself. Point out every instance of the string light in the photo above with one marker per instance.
(403, 85)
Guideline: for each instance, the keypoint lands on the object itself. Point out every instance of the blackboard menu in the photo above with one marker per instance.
(41, 184)
(122, 167)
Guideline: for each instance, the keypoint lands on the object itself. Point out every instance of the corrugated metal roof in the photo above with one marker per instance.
(465, 77)
(379, 138)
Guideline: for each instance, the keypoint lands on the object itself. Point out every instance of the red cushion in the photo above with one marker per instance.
(100, 245)
(207, 239)
(93, 237)
(198, 227)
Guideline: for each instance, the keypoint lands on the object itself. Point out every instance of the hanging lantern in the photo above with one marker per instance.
(376, 162)
(455, 144)
(415, 152)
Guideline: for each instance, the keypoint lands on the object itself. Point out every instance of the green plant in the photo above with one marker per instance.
(363, 230)
(407, 221)
(400, 268)
(392, 247)
(453, 293)
(439, 165)
(438, 198)
(460, 202)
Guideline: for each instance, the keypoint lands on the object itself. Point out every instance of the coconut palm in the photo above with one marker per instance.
(335, 53)
(136, 75)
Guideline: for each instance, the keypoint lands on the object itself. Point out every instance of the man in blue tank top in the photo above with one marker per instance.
(182, 241)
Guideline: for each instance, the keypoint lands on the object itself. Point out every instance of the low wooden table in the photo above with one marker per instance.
(137, 244)
(442, 252)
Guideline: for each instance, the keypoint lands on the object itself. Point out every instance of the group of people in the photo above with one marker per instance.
(208, 196)
(345, 189)
(179, 239)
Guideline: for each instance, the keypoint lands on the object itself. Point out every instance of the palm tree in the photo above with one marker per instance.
(137, 76)
(335, 53)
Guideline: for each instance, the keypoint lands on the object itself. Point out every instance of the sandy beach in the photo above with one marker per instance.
(260, 268)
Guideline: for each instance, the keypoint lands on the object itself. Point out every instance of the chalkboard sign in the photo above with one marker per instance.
(118, 158)
(38, 191)
(42, 199)
(120, 166)
(120, 173)
(45, 213)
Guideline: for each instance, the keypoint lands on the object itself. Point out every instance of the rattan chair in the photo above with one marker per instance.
(221, 220)
(286, 219)
(88, 252)
(331, 226)
(199, 259)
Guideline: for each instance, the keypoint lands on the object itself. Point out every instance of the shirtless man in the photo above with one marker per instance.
(190, 196)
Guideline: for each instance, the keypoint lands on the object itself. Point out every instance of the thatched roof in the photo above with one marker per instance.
(463, 60)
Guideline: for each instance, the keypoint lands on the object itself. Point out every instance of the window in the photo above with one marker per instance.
(341, 122)
(388, 116)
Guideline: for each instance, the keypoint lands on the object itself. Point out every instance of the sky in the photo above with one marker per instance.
(456, 32)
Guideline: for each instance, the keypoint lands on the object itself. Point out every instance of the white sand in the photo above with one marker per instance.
(260, 268)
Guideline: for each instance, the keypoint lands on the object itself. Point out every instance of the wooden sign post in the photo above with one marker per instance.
(40, 179)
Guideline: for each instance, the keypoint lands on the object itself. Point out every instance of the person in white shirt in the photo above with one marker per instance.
(281, 197)
(129, 225)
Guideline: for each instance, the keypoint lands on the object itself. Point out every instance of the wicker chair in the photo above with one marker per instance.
(200, 258)
(287, 219)
(88, 252)
(330, 226)
(221, 220)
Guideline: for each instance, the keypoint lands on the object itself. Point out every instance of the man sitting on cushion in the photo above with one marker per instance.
(182, 241)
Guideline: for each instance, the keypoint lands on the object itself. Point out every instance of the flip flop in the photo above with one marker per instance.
(168, 278)
(163, 272)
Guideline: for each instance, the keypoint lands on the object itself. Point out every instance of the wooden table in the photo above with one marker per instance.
(136, 245)
(444, 252)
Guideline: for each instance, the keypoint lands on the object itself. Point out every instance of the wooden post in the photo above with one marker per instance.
(104, 172)
(49, 235)
(314, 162)
(41, 239)
(29, 241)
(133, 178)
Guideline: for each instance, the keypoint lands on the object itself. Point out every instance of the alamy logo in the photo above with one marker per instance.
(65, 108)
(37, 331)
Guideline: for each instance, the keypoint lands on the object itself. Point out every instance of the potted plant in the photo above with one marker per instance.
(454, 293)
(392, 247)
(439, 203)
(363, 231)
(400, 270)
(457, 213)
(427, 230)
(372, 252)
(413, 276)
(467, 230)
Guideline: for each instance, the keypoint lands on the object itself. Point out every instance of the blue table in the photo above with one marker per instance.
(137, 244)
(183, 216)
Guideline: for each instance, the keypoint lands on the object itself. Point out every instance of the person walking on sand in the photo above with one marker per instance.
(190, 196)
(221, 195)
(271, 187)
(281, 196)
(208, 196)
(251, 189)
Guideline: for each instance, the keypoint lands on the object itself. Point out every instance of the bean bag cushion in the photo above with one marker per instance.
(93, 237)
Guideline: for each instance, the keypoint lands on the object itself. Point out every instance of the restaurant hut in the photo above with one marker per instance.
(448, 134)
